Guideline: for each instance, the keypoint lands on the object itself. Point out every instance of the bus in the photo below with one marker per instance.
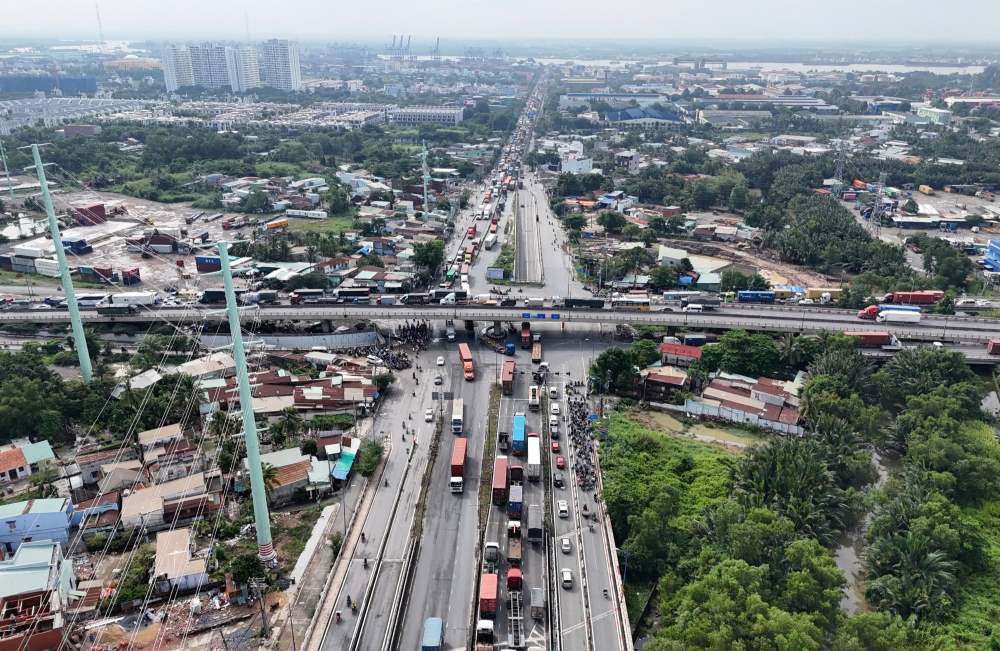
(630, 303)
(457, 416)
(306, 296)
(353, 294)
(678, 296)
(85, 301)
(415, 299)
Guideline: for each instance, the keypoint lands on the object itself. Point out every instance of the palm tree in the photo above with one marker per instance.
(218, 424)
(290, 423)
(270, 474)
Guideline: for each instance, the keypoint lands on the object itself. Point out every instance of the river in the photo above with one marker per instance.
(849, 555)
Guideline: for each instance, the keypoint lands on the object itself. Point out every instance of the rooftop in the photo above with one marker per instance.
(173, 555)
(31, 568)
(34, 507)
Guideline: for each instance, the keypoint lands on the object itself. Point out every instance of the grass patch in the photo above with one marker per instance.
(637, 595)
(727, 437)
(333, 225)
(489, 451)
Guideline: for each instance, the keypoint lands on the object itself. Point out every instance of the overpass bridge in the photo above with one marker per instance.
(763, 318)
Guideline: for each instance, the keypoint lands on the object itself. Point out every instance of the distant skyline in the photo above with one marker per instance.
(894, 22)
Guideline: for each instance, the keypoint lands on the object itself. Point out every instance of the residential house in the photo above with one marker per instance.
(175, 567)
(214, 365)
(659, 384)
(90, 461)
(97, 515)
(161, 505)
(43, 519)
(21, 458)
(36, 586)
(761, 402)
(679, 354)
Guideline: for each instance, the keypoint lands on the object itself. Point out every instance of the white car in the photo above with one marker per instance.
(440, 361)
(555, 409)
(553, 393)
(429, 415)
(563, 507)
(566, 546)
(567, 578)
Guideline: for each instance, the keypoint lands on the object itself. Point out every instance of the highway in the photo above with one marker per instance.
(444, 577)
(528, 267)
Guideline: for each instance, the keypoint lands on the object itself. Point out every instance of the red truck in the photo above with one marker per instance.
(507, 378)
(458, 454)
(514, 578)
(525, 334)
(488, 585)
(993, 346)
(500, 481)
(922, 297)
(472, 231)
(869, 339)
(468, 368)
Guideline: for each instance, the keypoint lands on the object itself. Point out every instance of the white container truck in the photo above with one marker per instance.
(134, 298)
(534, 459)
(490, 241)
(898, 316)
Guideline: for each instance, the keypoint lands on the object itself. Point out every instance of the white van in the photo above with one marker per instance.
(449, 299)
(694, 308)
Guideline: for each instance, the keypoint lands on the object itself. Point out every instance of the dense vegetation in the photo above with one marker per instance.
(739, 547)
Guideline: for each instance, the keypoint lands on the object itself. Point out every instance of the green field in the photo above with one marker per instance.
(333, 225)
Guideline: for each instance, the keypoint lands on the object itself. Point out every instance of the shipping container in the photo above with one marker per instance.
(507, 377)
(870, 339)
(488, 585)
(993, 346)
(500, 480)
(515, 499)
(518, 440)
(922, 297)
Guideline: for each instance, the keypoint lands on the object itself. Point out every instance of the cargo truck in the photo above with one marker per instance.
(753, 296)
(536, 603)
(514, 544)
(534, 458)
(485, 636)
(525, 334)
(515, 501)
(500, 481)
(488, 584)
(993, 347)
(116, 310)
(433, 635)
(518, 442)
(468, 368)
(585, 303)
(873, 311)
(922, 297)
(925, 189)
(535, 525)
(536, 353)
(458, 455)
(135, 298)
(507, 377)
(868, 339)
(898, 316)
(819, 293)
(491, 239)
(457, 416)
(533, 403)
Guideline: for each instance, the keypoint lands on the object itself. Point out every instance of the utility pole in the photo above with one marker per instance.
(79, 339)
(427, 175)
(6, 169)
(257, 584)
(262, 518)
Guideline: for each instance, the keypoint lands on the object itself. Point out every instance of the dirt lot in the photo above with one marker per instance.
(732, 439)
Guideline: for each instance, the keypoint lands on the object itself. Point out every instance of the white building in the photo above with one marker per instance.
(177, 69)
(574, 164)
(243, 69)
(279, 65)
(418, 115)
(208, 63)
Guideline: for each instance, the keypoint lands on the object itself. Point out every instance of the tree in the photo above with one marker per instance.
(429, 255)
(748, 354)
(663, 277)
(256, 202)
(614, 368)
(270, 474)
(337, 199)
(734, 281)
(244, 567)
(877, 632)
(383, 381)
(703, 195)
(645, 352)
(921, 369)
(738, 198)
(369, 456)
(613, 222)
(574, 222)
(309, 447)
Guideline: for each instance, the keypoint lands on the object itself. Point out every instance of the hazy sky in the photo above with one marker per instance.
(900, 21)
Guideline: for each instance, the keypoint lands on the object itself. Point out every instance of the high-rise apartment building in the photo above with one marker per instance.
(244, 71)
(208, 62)
(177, 70)
(279, 65)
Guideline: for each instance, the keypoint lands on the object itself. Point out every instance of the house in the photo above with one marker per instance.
(160, 505)
(293, 472)
(98, 514)
(20, 459)
(215, 365)
(90, 461)
(761, 402)
(36, 586)
(160, 437)
(659, 384)
(679, 354)
(175, 567)
(44, 519)
(628, 161)
(122, 475)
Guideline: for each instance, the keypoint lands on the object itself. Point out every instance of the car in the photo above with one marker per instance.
(553, 393)
(557, 479)
(565, 545)
(566, 575)
(560, 463)
(554, 409)
(554, 431)
(438, 380)
(429, 414)
(555, 447)
(562, 506)
(440, 360)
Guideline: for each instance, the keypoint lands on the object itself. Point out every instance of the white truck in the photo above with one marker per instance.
(134, 298)
(490, 241)
(898, 316)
